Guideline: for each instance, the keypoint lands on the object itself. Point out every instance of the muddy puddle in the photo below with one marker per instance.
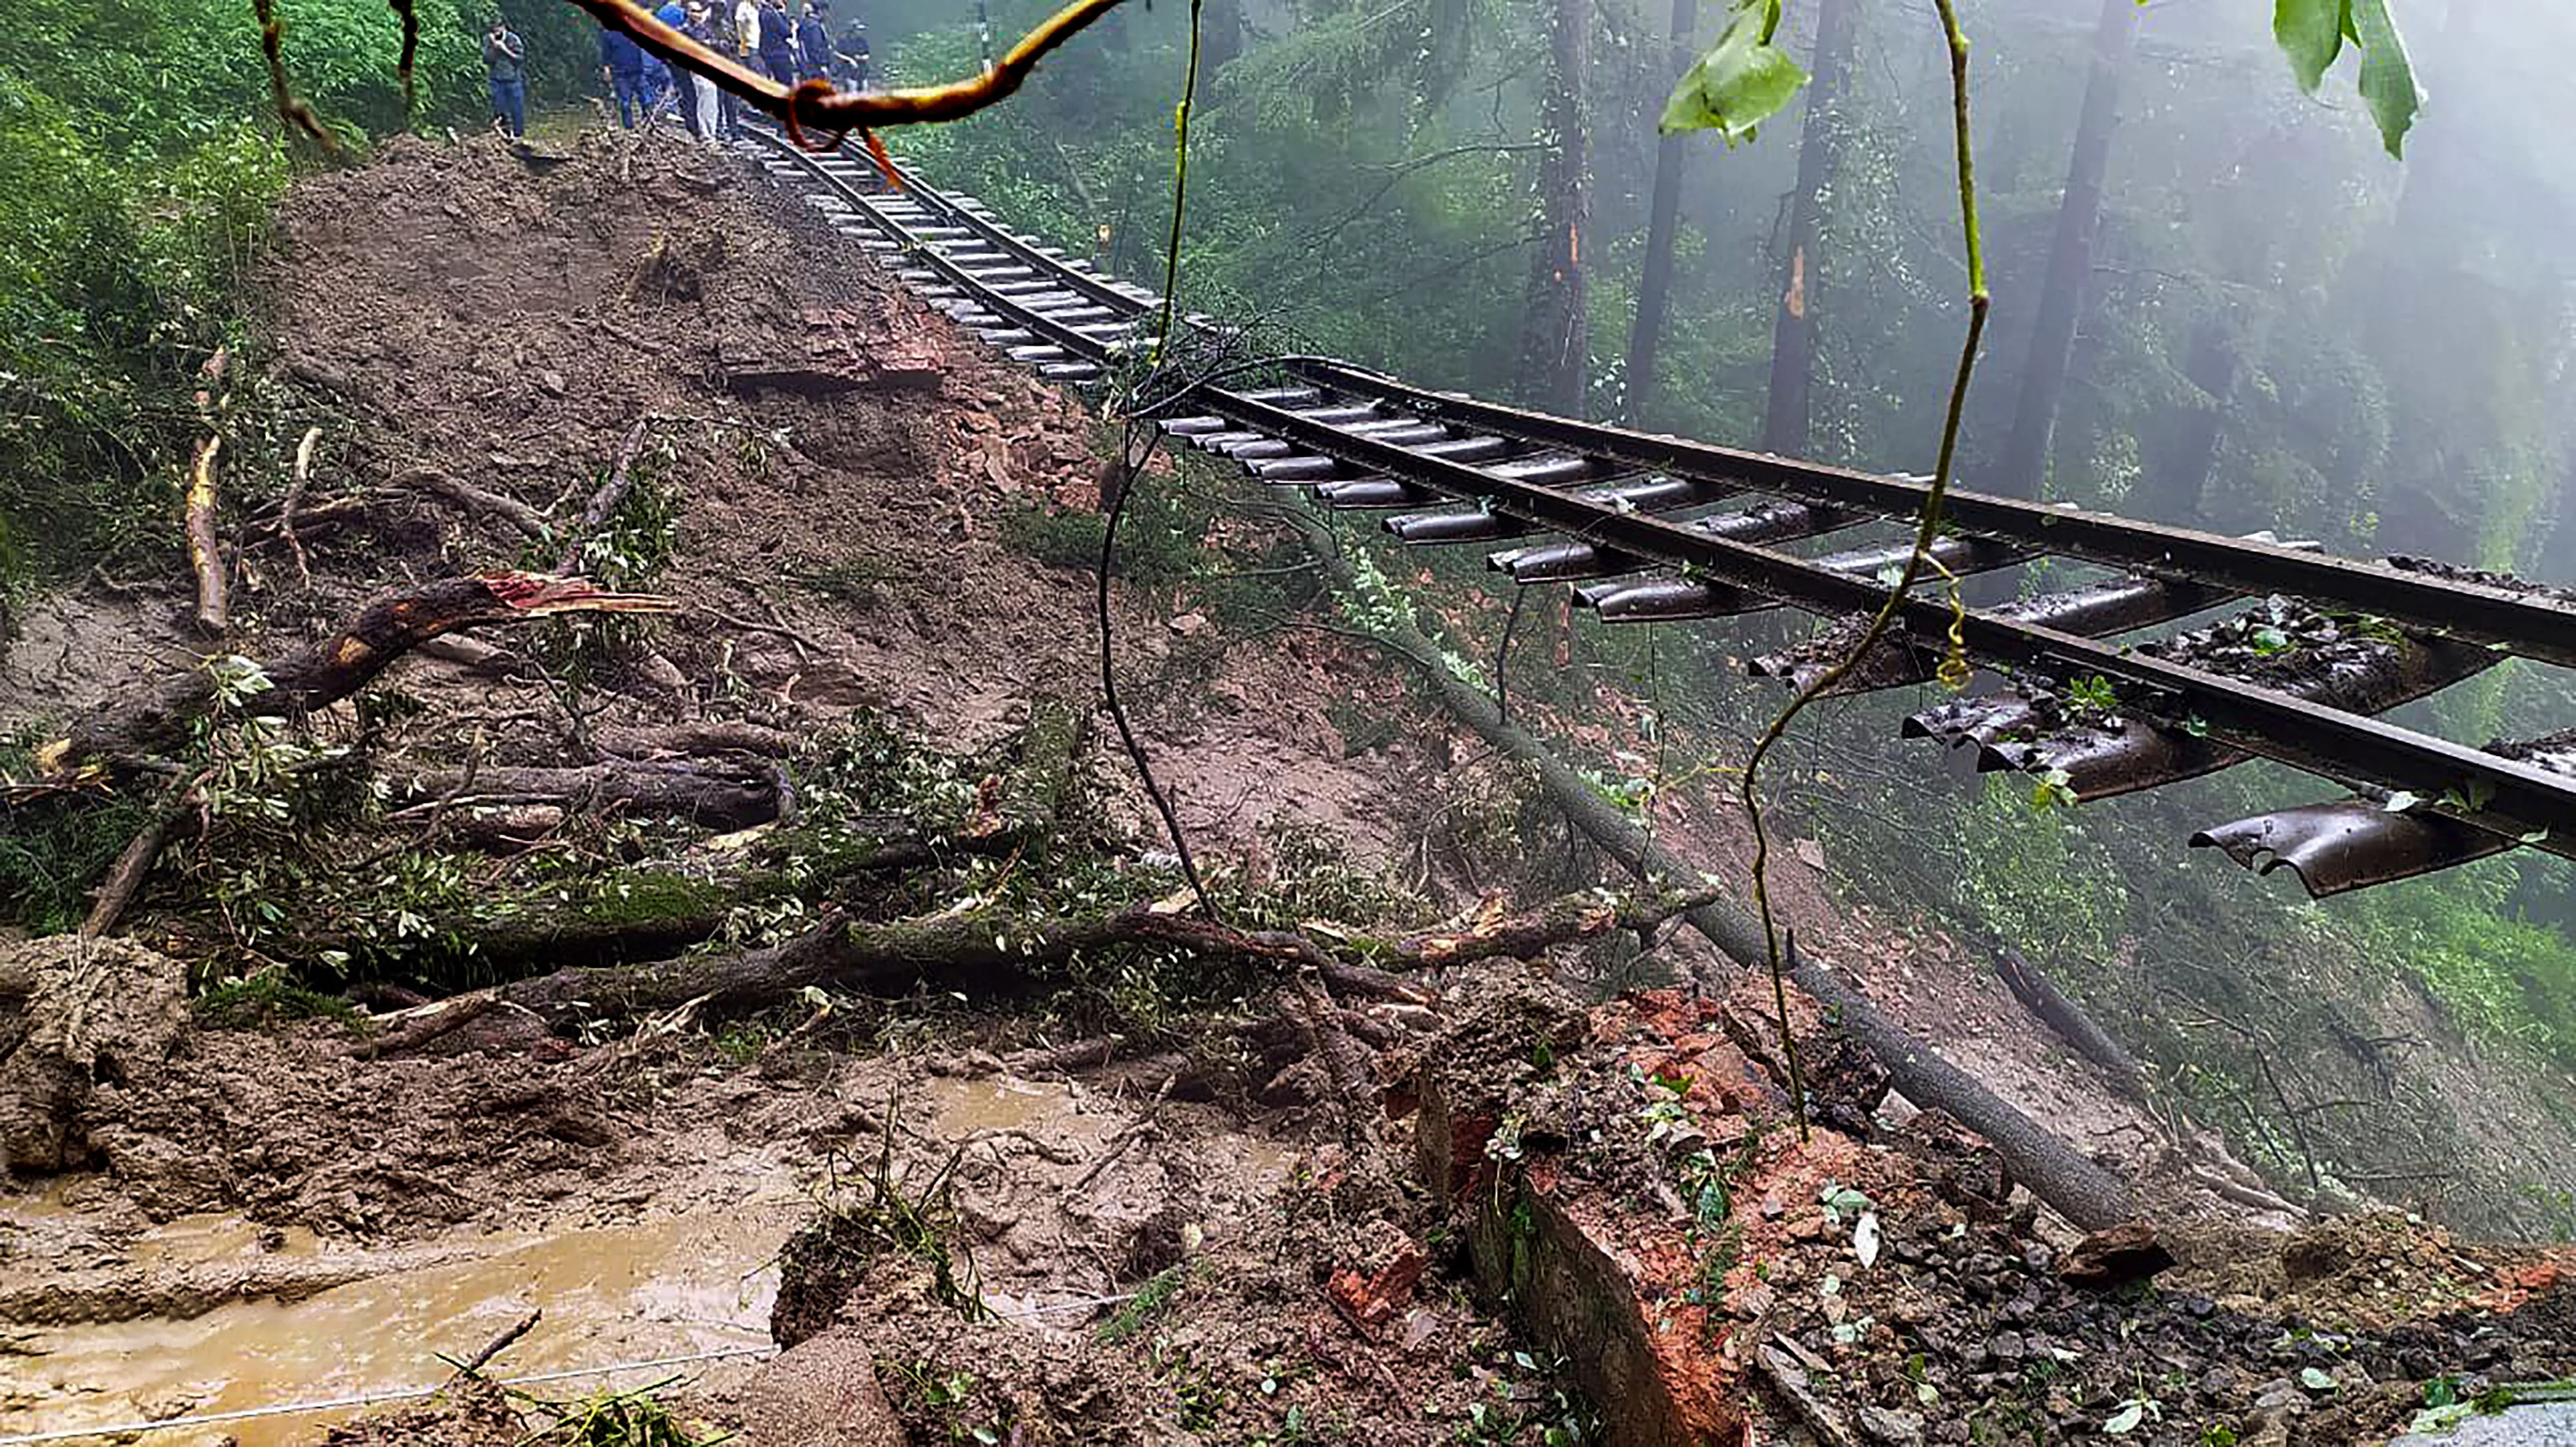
(665, 1287)
(687, 1280)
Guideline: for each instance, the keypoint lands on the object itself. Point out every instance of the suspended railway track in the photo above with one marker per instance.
(1649, 528)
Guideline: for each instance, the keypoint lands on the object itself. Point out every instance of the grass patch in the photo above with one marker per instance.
(1148, 1304)
(617, 1419)
(53, 850)
(271, 997)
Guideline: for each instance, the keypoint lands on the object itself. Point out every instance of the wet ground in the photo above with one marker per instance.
(687, 1278)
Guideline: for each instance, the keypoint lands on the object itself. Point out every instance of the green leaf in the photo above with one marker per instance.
(2126, 1420)
(2316, 1379)
(2387, 77)
(2311, 34)
(1741, 82)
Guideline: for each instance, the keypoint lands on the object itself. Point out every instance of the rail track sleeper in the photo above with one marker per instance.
(1296, 469)
(1466, 449)
(1005, 337)
(1372, 492)
(1043, 353)
(1193, 426)
(1068, 371)
(1401, 431)
(2527, 623)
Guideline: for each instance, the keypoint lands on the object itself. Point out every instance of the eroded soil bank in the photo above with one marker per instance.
(1149, 1192)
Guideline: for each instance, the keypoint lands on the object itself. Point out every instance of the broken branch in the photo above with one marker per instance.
(205, 550)
(605, 503)
(386, 628)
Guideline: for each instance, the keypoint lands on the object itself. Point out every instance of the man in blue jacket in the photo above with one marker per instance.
(505, 59)
(813, 42)
(778, 42)
(621, 65)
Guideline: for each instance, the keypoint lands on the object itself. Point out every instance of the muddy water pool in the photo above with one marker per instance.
(666, 1286)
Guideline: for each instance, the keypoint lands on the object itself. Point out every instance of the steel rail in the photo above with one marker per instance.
(2514, 800)
(2534, 627)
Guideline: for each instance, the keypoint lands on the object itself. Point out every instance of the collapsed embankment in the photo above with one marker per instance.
(756, 910)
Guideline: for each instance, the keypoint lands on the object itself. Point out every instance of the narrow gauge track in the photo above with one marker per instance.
(1652, 528)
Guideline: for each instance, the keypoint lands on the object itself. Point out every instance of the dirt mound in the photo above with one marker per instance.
(79, 1019)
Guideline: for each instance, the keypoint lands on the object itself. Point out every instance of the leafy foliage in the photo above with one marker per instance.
(1743, 81)
(2313, 33)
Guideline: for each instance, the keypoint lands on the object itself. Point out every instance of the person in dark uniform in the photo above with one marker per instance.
(813, 42)
(505, 58)
(850, 59)
(621, 65)
(778, 42)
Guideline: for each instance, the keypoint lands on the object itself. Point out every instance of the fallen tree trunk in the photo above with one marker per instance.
(714, 797)
(2040, 995)
(709, 736)
(386, 628)
(474, 499)
(2081, 1190)
(979, 951)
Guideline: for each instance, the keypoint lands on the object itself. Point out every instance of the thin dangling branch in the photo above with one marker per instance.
(1927, 527)
(816, 105)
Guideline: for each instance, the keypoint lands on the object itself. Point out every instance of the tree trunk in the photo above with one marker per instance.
(2176, 482)
(2024, 466)
(1793, 327)
(1654, 286)
(1555, 322)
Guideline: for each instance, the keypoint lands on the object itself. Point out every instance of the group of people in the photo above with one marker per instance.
(760, 33)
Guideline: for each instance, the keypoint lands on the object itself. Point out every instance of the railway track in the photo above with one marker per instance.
(2306, 653)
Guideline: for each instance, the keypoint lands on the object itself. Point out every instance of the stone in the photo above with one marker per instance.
(1889, 1426)
(822, 1392)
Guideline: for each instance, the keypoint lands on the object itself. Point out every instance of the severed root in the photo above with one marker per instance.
(391, 625)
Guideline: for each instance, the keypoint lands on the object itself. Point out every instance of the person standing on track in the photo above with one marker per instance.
(708, 118)
(505, 59)
(778, 42)
(621, 66)
(850, 57)
(740, 20)
(813, 42)
(671, 86)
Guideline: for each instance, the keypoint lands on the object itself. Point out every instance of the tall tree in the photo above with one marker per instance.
(1555, 321)
(1663, 219)
(2070, 257)
(1785, 414)
(2180, 453)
